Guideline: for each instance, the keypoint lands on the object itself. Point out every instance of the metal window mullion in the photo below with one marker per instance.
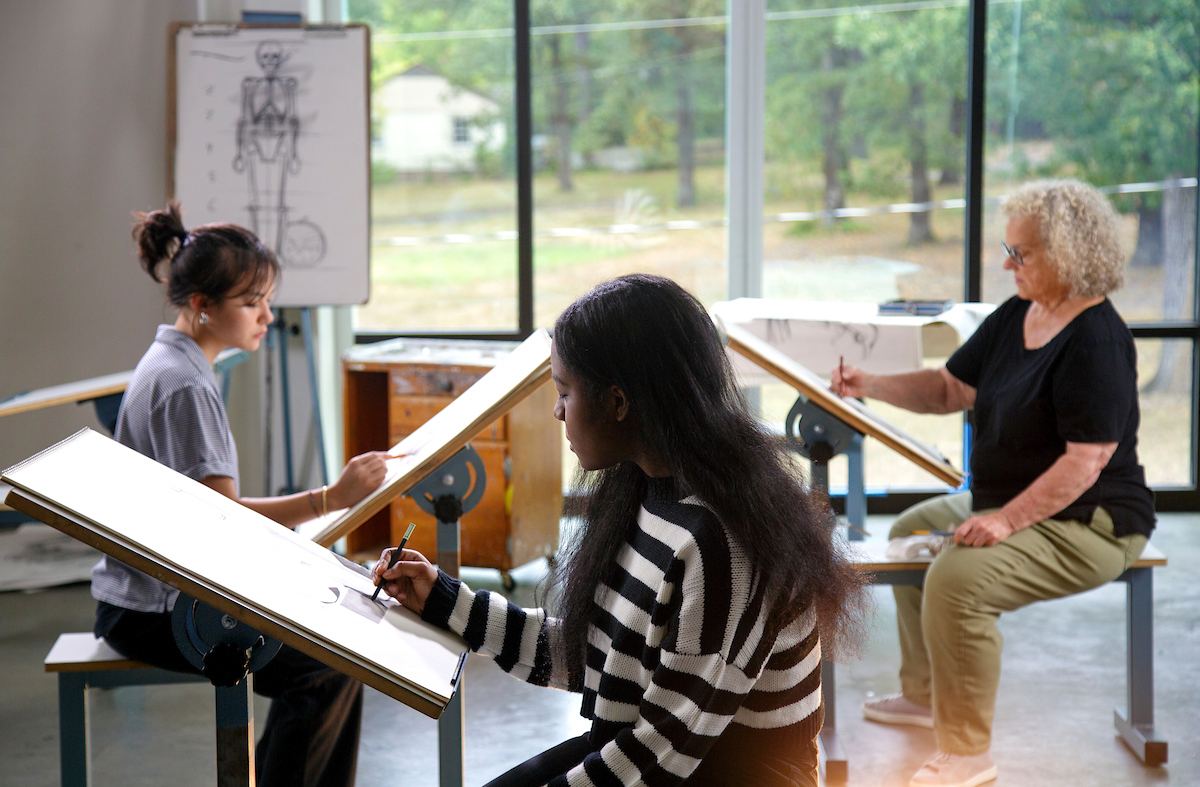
(524, 107)
(745, 102)
(1195, 441)
(976, 91)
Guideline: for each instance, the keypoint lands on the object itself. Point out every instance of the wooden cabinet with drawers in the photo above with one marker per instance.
(393, 387)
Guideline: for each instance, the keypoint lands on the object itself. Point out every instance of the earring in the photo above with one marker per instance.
(204, 318)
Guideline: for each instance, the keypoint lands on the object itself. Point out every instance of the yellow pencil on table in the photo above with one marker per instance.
(395, 557)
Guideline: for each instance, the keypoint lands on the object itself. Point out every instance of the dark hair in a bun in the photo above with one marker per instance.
(218, 261)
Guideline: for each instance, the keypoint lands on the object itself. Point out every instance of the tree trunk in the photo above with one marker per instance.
(834, 162)
(958, 113)
(1179, 253)
(1149, 251)
(562, 118)
(686, 139)
(919, 229)
(583, 73)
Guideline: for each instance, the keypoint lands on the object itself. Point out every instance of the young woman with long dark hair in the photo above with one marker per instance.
(220, 278)
(697, 594)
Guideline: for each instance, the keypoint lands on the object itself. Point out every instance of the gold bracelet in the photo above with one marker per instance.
(325, 499)
(313, 503)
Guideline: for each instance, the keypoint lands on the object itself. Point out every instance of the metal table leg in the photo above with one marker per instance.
(235, 735)
(74, 750)
(1136, 723)
(836, 770)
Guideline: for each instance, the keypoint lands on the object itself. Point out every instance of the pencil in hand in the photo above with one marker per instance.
(395, 557)
(841, 375)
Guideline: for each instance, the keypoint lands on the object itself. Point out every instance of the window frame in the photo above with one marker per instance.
(1170, 498)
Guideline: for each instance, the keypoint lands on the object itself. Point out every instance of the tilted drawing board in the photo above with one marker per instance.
(79, 391)
(849, 411)
(226, 555)
(515, 377)
(269, 129)
(94, 388)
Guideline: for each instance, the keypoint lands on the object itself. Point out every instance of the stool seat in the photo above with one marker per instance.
(84, 652)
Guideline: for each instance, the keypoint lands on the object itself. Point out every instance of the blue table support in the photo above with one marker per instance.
(1135, 723)
(74, 741)
(448, 492)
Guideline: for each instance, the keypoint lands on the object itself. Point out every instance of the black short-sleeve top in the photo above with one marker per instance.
(1080, 387)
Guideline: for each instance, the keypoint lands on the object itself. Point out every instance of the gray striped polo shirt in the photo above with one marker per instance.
(173, 413)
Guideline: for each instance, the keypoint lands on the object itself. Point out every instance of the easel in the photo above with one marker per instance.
(105, 393)
(822, 437)
(451, 487)
(227, 653)
(829, 425)
(409, 660)
(281, 327)
(448, 492)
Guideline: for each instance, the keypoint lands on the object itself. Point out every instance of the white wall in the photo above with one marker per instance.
(82, 143)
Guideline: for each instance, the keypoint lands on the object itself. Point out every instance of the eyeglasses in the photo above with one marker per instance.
(1009, 251)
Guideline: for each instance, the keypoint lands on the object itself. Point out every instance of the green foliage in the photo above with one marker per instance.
(1113, 82)
(382, 173)
(817, 228)
(882, 174)
(654, 137)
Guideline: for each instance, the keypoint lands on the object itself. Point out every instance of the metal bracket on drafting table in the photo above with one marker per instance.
(226, 652)
(821, 437)
(448, 492)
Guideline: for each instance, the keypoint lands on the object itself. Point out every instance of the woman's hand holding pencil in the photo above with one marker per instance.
(405, 575)
(848, 380)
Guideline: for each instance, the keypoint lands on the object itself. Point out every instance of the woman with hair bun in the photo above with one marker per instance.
(703, 588)
(221, 278)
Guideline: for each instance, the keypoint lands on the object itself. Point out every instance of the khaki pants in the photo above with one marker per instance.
(949, 641)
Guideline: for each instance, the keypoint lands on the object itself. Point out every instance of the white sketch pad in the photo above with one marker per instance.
(820, 334)
(298, 171)
(187, 530)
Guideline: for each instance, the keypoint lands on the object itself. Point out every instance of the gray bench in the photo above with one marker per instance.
(1134, 722)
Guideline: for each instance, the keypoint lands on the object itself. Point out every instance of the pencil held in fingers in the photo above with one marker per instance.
(395, 556)
(841, 375)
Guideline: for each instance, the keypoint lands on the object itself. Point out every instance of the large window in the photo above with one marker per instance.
(629, 145)
(443, 196)
(865, 147)
(869, 163)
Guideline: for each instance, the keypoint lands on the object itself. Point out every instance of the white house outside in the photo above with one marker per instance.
(427, 124)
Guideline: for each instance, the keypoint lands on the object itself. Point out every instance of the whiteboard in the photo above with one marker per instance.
(270, 130)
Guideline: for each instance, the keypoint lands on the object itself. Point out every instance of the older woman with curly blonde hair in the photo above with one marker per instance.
(1058, 502)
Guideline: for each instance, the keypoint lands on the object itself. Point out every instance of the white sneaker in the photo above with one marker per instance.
(955, 770)
(898, 709)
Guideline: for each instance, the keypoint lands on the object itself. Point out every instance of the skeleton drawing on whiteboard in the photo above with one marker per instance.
(268, 130)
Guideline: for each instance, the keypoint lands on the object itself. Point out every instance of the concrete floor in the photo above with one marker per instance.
(1064, 670)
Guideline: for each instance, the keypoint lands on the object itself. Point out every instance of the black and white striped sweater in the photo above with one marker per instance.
(676, 654)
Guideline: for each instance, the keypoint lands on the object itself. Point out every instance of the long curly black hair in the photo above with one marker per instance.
(654, 340)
